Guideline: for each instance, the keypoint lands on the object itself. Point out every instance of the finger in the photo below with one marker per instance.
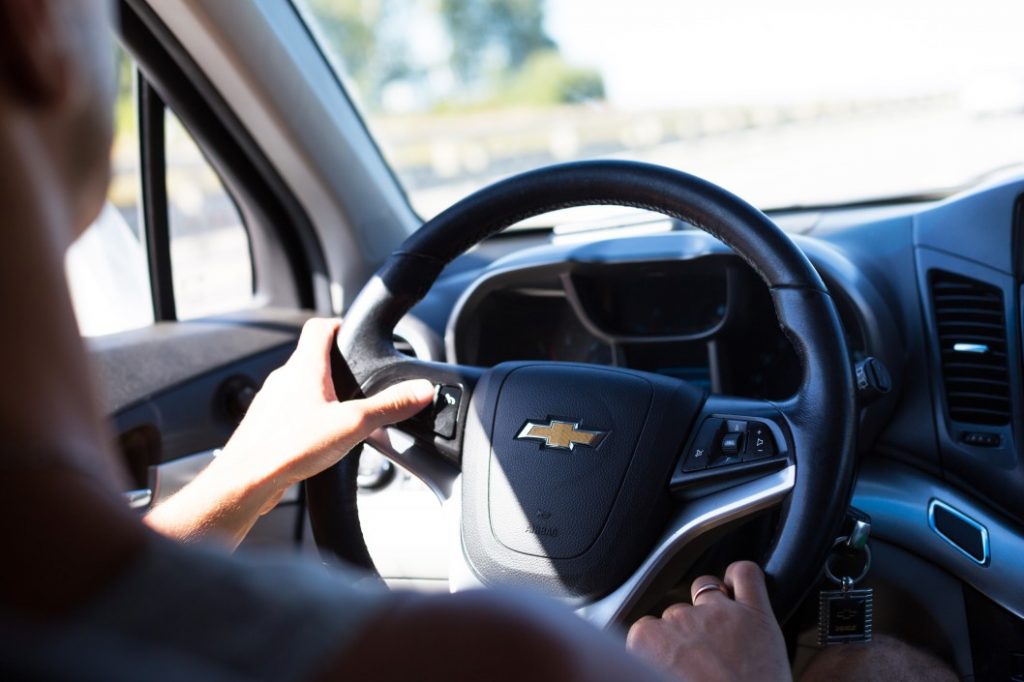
(644, 635)
(315, 341)
(746, 580)
(391, 405)
(707, 588)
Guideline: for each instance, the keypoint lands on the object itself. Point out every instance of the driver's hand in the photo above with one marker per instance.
(722, 636)
(294, 429)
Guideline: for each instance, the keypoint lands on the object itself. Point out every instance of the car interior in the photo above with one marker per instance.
(640, 376)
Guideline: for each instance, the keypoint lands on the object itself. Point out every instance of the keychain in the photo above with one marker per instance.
(845, 615)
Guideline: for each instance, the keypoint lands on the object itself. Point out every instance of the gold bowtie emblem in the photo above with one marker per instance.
(561, 434)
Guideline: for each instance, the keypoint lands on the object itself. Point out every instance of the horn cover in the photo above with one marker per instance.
(576, 511)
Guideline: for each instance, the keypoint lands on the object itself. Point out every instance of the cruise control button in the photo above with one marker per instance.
(760, 442)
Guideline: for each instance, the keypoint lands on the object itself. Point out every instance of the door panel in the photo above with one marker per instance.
(168, 390)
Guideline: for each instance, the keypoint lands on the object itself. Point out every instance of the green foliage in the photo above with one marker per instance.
(547, 78)
(500, 52)
(515, 27)
(348, 27)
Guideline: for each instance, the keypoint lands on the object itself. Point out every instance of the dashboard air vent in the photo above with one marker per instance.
(969, 317)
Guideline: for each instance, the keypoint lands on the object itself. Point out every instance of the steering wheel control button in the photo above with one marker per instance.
(703, 448)
(732, 444)
(724, 460)
(446, 410)
(697, 460)
(729, 442)
(760, 442)
(441, 417)
(735, 426)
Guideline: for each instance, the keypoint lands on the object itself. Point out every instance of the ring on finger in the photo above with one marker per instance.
(707, 587)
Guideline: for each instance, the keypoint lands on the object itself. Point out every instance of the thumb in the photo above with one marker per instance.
(393, 404)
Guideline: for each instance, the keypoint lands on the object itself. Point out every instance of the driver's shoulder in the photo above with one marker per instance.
(257, 616)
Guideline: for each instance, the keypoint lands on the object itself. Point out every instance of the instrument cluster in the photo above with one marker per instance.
(708, 320)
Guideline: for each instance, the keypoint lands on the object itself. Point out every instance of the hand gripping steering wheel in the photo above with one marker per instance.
(560, 476)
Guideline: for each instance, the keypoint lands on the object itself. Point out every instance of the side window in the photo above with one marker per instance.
(109, 268)
(210, 259)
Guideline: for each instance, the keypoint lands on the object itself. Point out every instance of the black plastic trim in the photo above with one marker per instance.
(153, 158)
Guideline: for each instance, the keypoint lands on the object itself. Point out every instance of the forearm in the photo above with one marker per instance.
(294, 429)
(216, 506)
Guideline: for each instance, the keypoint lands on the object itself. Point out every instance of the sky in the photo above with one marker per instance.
(655, 53)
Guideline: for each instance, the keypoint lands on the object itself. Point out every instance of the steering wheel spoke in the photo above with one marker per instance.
(429, 444)
(738, 462)
(692, 520)
(425, 463)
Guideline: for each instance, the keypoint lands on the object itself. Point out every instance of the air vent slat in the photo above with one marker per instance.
(971, 326)
(959, 382)
(979, 415)
(994, 346)
(993, 357)
(991, 329)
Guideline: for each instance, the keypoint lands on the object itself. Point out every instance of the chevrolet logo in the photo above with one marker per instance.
(560, 434)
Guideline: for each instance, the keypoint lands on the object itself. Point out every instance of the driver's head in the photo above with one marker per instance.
(56, 92)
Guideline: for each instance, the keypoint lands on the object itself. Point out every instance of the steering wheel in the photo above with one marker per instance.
(591, 482)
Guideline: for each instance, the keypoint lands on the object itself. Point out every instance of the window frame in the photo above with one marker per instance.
(155, 210)
(288, 266)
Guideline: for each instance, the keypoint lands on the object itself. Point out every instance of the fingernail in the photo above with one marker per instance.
(422, 389)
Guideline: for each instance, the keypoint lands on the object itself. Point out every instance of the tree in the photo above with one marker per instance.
(500, 52)
(348, 26)
(370, 47)
(514, 28)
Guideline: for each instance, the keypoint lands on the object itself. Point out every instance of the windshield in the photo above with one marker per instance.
(785, 103)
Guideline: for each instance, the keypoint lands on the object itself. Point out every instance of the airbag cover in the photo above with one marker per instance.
(550, 501)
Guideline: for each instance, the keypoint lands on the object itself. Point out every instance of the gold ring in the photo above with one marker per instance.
(707, 587)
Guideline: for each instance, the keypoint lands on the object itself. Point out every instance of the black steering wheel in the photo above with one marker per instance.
(590, 482)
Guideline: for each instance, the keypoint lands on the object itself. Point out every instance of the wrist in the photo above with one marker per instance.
(231, 477)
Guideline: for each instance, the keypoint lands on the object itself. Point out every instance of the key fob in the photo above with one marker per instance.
(845, 616)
